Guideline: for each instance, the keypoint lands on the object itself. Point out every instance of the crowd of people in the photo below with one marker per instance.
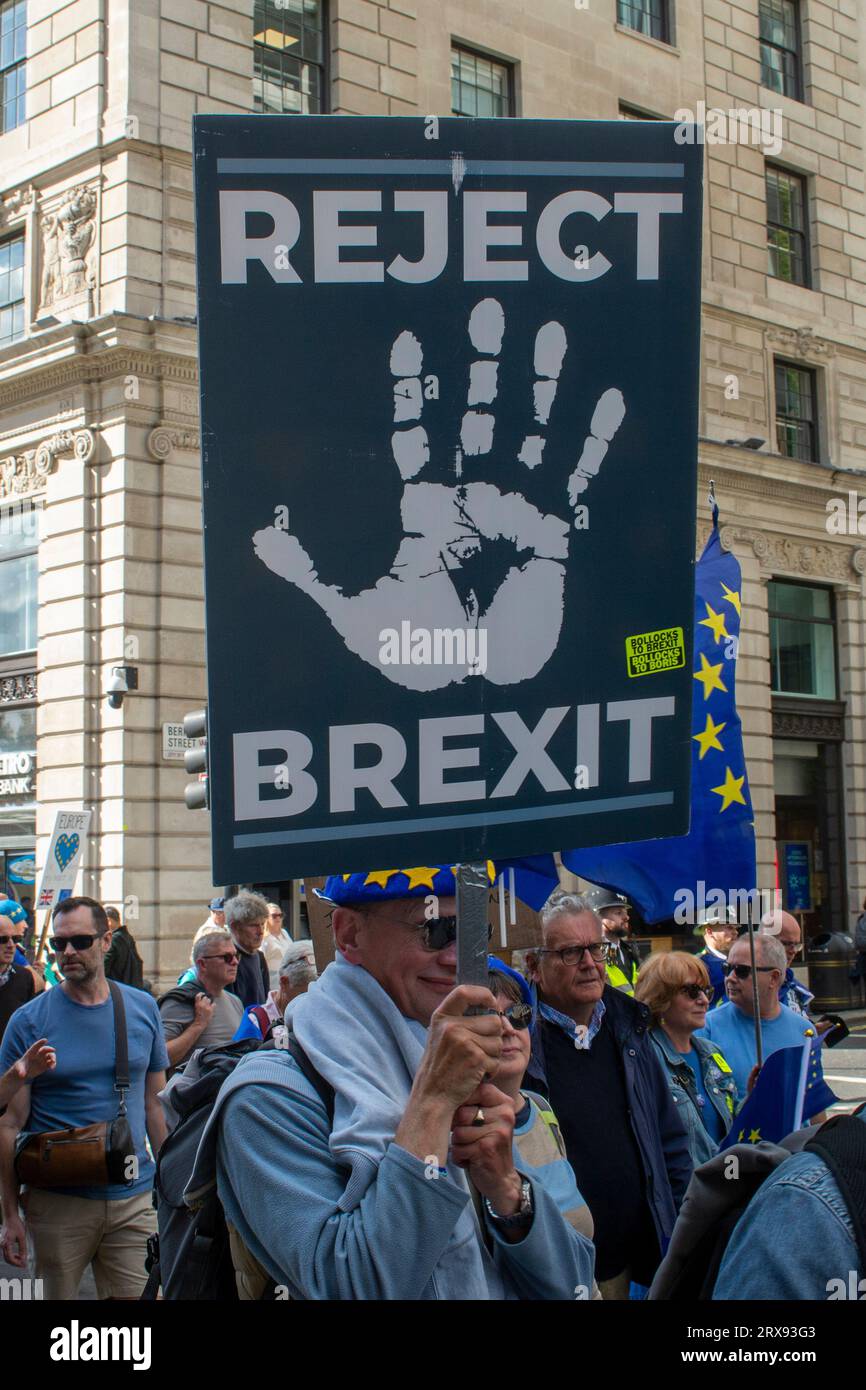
(531, 1139)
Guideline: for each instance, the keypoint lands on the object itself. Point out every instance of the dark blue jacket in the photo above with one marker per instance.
(659, 1130)
(716, 972)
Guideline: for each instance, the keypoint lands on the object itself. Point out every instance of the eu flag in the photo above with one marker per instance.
(790, 1089)
(720, 846)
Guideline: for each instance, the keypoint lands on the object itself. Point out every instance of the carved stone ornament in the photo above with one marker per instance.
(14, 688)
(14, 203)
(162, 441)
(782, 554)
(67, 236)
(826, 728)
(800, 342)
(22, 475)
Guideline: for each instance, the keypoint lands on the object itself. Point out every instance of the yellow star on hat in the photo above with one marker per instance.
(710, 678)
(731, 790)
(709, 738)
(422, 877)
(381, 876)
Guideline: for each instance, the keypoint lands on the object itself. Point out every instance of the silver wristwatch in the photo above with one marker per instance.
(521, 1217)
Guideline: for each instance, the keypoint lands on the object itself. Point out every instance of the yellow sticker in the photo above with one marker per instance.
(655, 651)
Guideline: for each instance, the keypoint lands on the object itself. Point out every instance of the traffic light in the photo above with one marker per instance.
(196, 794)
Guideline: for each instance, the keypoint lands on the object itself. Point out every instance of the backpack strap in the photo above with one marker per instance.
(841, 1143)
(323, 1088)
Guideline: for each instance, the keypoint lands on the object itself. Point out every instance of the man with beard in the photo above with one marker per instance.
(106, 1225)
(623, 959)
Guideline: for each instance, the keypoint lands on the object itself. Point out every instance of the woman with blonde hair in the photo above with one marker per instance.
(676, 989)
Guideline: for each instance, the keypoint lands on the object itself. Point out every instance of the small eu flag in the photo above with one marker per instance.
(790, 1089)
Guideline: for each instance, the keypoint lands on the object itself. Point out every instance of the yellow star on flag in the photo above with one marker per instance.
(754, 1136)
(346, 877)
(731, 790)
(710, 678)
(715, 622)
(709, 738)
(741, 1136)
(380, 877)
(731, 597)
(422, 877)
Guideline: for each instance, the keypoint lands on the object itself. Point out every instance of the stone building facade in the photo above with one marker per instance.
(98, 393)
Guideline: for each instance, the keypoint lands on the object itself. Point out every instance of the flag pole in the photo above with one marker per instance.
(759, 1048)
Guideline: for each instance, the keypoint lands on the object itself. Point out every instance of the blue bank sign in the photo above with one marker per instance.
(449, 407)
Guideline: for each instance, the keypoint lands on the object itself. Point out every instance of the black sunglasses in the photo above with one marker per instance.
(438, 932)
(228, 959)
(695, 992)
(59, 944)
(518, 1015)
(4, 940)
(743, 972)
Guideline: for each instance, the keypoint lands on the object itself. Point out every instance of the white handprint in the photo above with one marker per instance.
(436, 575)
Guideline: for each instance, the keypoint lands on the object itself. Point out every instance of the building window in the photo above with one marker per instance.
(11, 290)
(646, 17)
(289, 57)
(13, 51)
(480, 86)
(633, 113)
(802, 642)
(786, 226)
(780, 47)
(19, 536)
(796, 412)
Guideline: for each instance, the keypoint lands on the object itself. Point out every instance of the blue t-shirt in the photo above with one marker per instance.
(80, 1090)
(710, 1117)
(734, 1034)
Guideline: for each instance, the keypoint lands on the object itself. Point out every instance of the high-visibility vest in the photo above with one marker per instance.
(616, 976)
(723, 1066)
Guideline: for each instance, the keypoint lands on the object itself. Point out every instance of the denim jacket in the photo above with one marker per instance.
(795, 1241)
(719, 1083)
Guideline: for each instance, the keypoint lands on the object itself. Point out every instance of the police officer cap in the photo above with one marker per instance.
(715, 916)
(600, 898)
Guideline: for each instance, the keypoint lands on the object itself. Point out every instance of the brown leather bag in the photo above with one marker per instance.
(91, 1155)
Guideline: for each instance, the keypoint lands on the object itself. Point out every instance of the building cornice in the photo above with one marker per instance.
(789, 555)
(88, 368)
(716, 463)
(23, 475)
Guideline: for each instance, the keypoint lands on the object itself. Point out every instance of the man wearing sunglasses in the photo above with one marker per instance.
(17, 983)
(203, 1013)
(732, 1027)
(593, 1057)
(412, 1190)
(106, 1226)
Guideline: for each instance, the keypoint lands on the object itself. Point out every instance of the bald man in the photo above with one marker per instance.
(792, 992)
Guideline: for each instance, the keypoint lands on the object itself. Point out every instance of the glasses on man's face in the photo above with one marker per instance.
(695, 992)
(438, 932)
(229, 958)
(4, 940)
(59, 944)
(518, 1015)
(573, 955)
(743, 972)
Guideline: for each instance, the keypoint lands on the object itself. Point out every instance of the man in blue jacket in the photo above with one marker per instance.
(592, 1055)
(375, 1204)
(796, 1239)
